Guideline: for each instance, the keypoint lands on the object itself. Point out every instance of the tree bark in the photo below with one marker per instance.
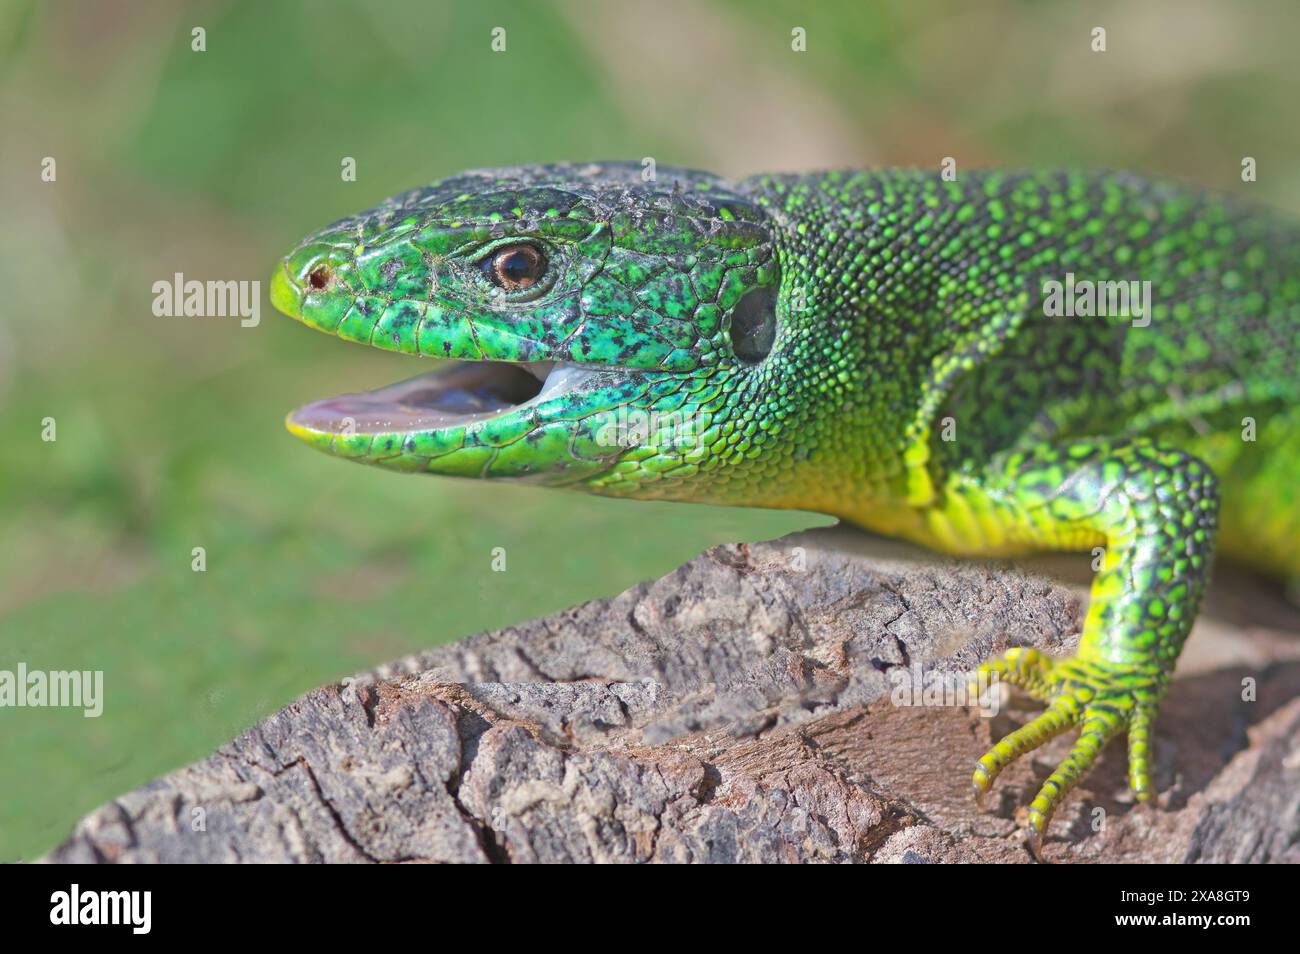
(742, 708)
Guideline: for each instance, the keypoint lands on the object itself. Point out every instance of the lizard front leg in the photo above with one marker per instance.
(1155, 512)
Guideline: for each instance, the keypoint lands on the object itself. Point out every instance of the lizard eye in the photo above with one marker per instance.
(515, 267)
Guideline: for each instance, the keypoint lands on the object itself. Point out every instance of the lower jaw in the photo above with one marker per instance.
(458, 395)
(479, 419)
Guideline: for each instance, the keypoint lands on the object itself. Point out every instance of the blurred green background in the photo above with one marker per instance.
(212, 164)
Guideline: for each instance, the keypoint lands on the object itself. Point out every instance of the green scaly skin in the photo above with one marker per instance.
(867, 344)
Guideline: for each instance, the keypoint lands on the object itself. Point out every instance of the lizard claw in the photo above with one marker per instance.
(1100, 698)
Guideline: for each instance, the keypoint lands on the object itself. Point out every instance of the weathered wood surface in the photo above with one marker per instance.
(738, 709)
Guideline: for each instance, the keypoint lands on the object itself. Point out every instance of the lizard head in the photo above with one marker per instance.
(595, 328)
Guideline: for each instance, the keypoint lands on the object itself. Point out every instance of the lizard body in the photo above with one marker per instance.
(881, 346)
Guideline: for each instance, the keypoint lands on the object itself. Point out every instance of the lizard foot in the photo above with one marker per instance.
(1101, 698)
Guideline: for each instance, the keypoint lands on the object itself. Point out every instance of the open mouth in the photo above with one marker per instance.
(455, 394)
(461, 394)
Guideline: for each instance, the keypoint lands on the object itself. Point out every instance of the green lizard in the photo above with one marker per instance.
(880, 346)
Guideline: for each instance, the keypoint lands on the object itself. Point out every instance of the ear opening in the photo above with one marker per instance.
(753, 325)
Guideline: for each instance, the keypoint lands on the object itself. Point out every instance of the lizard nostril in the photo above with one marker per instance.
(320, 276)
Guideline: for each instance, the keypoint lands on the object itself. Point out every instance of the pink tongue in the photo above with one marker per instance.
(435, 400)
